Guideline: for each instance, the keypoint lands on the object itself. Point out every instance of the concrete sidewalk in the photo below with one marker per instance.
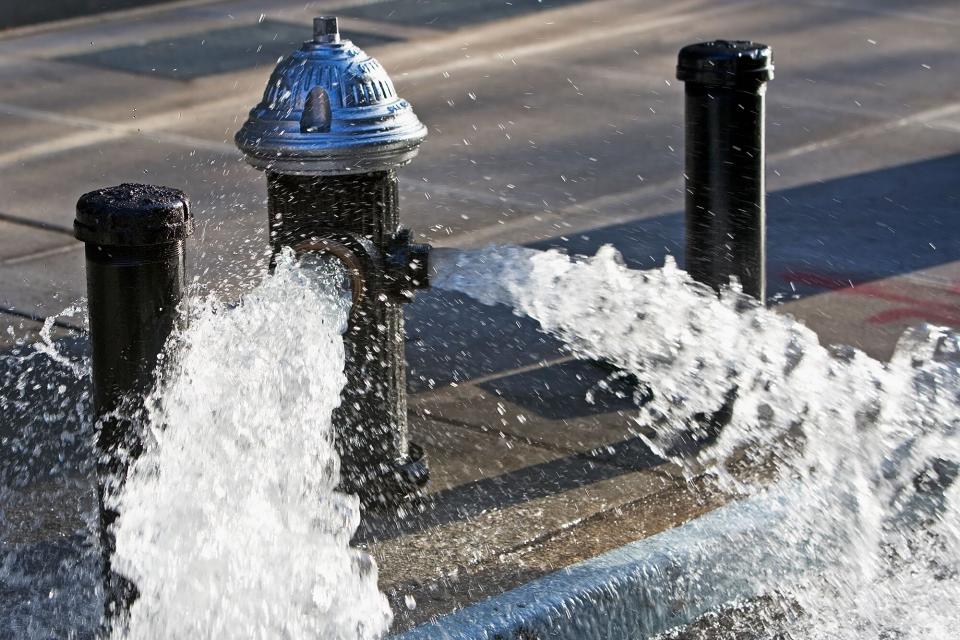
(556, 126)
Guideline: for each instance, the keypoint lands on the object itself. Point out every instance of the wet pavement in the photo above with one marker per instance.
(553, 124)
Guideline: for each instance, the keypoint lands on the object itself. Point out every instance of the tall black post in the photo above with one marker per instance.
(134, 237)
(725, 193)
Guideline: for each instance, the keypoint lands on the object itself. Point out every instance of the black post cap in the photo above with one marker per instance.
(133, 215)
(726, 63)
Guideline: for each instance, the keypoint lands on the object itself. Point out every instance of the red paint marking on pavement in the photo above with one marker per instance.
(816, 280)
(899, 315)
(915, 308)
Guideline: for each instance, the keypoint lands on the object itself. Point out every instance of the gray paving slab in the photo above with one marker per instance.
(44, 286)
(86, 91)
(938, 11)
(571, 406)
(449, 337)
(21, 132)
(891, 196)
(460, 455)
(226, 253)
(19, 14)
(118, 28)
(551, 498)
(219, 50)
(221, 186)
(221, 122)
(565, 154)
(447, 14)
(17, 330)
(861, 59)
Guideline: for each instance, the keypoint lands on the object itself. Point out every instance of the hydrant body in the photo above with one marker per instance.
(330, 133)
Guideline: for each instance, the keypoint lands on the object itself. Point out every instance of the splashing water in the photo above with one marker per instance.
(866, 452)
(230, 526)
(49, 578)
(230, 523)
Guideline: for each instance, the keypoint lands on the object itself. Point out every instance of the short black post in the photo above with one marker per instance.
(725, 209)
(135, 236)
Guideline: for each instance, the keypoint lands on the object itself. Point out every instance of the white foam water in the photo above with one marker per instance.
(49, 577)
(231, 525)
(865, 451)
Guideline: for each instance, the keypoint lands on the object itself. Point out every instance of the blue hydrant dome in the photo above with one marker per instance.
(329, 108)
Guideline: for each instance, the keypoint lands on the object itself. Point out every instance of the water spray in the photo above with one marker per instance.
(135, 236)
(330, 133)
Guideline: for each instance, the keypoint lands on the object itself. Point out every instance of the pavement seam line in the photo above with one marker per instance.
(44, 253)
(98, 131)
(511, 436)
(919, 117)
(503, 435)
(630, 503)
(617, 74)
(490, 377)
(35, 224)
(26, 315)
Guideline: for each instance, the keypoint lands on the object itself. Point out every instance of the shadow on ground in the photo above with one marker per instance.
(825, 235)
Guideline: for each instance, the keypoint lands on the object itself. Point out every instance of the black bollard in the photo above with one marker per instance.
(725, 210)
(135, 236)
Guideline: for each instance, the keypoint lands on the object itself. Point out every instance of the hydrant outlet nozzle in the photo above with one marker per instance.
(407, 264)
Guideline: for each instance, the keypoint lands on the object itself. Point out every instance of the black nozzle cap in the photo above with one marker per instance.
(326, 29)
(131, 215)
(726, 63)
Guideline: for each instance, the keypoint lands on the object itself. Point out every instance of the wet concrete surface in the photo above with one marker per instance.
(554, 126)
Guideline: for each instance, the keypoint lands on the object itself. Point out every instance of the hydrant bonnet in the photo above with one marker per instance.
(330, 109)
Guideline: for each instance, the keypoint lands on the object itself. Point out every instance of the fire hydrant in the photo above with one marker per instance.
(330, 133)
